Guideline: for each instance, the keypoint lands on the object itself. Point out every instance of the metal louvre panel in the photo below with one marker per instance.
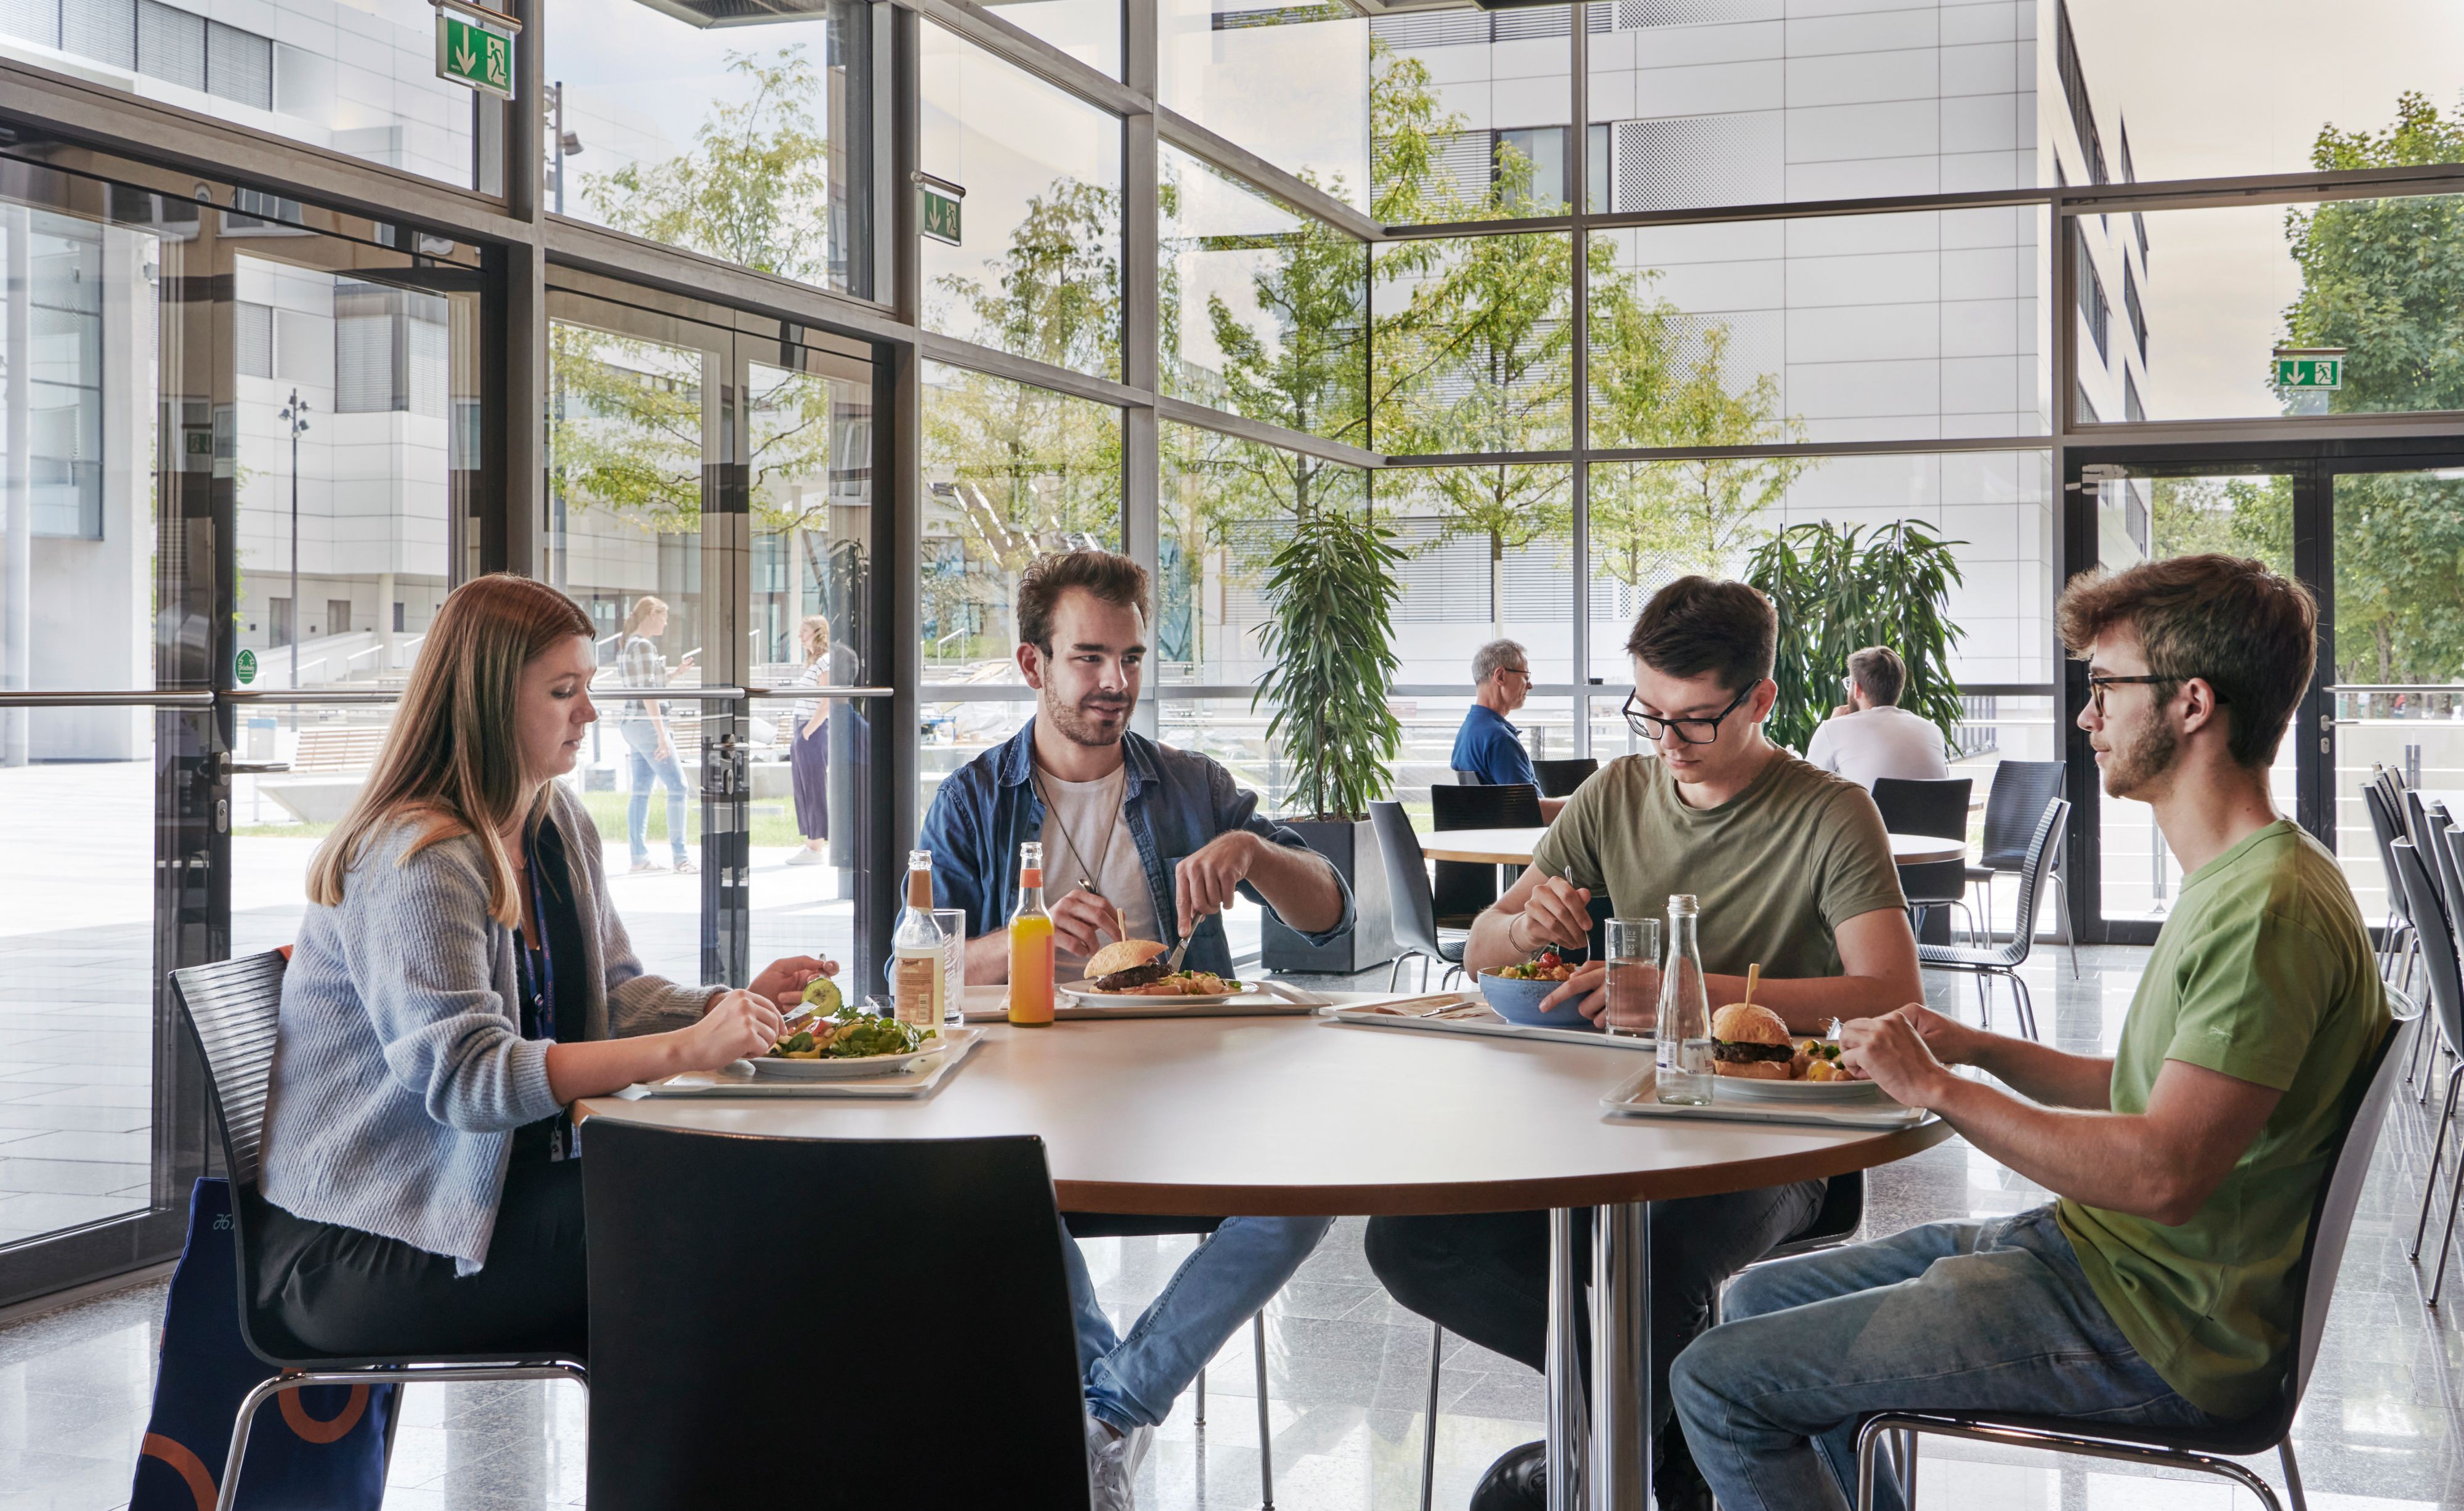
(233, 1008)
(37, 21)
(1634, 15)
(171, 44)
(103, 30)
(239, 65)
(1432, 29)
(1687, 161)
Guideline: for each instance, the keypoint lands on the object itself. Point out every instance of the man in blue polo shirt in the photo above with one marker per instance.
(1488, 746)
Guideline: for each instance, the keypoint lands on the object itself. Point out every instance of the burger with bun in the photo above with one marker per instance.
(1126, 963)
(1752, 1043)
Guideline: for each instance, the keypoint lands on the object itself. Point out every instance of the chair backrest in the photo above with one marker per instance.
(2038, 865)
(2444, 865)
(742, 1288)
(2438, 954)
(231, 1008)
(2349, 1166)
(1407, 878)
(2012, 805)
(2387, 829)
(1935, 806)
(2416, 818)
(1559, 778)
(1495, 805)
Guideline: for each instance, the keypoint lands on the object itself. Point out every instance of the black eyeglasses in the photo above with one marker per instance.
(1689, 732)
(2098, 682)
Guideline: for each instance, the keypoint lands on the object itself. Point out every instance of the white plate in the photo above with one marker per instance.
(1821, 1091)
(769, 1068)
(1086, 994)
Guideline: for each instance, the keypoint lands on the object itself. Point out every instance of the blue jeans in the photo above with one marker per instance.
(1237, 1270)
(641, 740)
(1952, 1316)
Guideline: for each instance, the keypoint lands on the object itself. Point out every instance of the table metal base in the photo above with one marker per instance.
(1599, 1459)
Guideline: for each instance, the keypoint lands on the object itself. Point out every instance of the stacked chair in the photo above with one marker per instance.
(2021, 792)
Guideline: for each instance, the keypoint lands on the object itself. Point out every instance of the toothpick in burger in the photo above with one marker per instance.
(1752, 1043)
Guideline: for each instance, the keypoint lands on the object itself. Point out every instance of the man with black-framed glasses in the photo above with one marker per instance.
(1793, 872)
(1487, 746)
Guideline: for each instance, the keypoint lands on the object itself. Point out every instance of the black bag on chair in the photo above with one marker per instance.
(322, 1450)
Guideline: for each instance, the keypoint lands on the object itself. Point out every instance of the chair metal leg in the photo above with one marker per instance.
(1201, 1398)
(1429, 1428)
(2027, 1006)
(1907, 1457)
(1265, 1437)
(2438, 1152)
(2069, 940)
(409, 1374)
(1870, 1437)
(2292, 1475)
(1394, 977)
(2447, 1234)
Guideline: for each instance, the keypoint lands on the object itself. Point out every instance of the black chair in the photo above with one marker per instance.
(1559, 778)
(2397, 941)
(2441, 964)
(2323, 1253)
(1413, 902)
(2012, 805)
(229, 1010)
(744, 1289)
(1936, 807)
(2005, 959)
(1461, 888)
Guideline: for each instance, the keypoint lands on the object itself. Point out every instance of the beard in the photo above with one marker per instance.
(2130, 769)
(1081, 723)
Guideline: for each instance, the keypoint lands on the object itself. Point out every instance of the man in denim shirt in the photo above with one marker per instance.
(1140, 842)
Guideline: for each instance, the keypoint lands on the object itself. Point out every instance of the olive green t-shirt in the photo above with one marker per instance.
(1776, 869)
(2263, 973)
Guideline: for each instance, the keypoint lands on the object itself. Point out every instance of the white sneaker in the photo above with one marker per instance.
(808, 857)
(1109, 1467)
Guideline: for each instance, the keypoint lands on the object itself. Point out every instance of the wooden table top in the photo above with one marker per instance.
(1300, 1116)
(1918, 849)
(1482, 846)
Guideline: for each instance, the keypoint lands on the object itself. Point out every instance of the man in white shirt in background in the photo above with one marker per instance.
(1871, 736)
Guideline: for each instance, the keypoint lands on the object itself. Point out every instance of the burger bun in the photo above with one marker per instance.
(1120, 956)
(1744, 1023)
(1754, 1069)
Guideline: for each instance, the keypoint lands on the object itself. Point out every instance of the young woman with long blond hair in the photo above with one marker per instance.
(649, 748)
(808, 758)
(459, 980)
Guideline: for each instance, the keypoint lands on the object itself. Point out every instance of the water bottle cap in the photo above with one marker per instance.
(1681, 903)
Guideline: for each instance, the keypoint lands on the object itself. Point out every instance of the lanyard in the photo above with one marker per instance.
(539, 966)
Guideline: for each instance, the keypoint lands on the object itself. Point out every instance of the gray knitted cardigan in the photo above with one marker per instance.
(400, 1072)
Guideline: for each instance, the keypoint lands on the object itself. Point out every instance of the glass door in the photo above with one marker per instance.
(2126, 511)
(2398, 665)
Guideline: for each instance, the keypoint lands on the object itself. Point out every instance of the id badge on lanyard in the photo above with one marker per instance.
(540, 986)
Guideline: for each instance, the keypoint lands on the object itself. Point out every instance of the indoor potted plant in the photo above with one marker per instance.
(1839, 589)
(1332, 591)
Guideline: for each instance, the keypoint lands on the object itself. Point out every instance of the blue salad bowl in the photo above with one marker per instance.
(1518, 1001)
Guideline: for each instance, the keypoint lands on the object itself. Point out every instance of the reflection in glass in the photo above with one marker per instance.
(1290, 84)
(750, 143)
(1038, 273)
(1476, 354)
(1264, 311)
(1088, 31)
(811, 786)
(1225, 506)
(1010, 472)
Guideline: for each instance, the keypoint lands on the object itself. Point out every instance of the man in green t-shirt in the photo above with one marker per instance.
(1792, 871)
(2159, 1289)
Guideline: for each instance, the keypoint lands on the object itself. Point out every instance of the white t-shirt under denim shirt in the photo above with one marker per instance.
(1884, 741)
(1075, 815)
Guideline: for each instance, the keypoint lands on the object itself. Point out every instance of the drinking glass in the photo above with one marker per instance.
(1634, 975)
(953, 924)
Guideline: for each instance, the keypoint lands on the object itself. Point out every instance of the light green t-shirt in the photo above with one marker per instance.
(2263, 973)
(1777, 868)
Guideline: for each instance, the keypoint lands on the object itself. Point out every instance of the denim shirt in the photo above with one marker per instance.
(1176, 801)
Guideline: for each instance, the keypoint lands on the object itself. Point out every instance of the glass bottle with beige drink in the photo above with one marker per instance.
(919, 967)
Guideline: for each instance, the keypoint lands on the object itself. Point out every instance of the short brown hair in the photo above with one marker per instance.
(1879, 673)
(1109, 575)
(1697, 624)
(2246, 630)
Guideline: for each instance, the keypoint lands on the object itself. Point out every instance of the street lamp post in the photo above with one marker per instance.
(294, 415)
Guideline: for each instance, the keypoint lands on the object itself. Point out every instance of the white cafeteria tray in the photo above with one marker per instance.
(1491, 1027)
(1249, 1004)
(915, 1080)
(1635, 1099)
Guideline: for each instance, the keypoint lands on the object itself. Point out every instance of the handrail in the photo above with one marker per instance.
(23, 698)
(2396, 687)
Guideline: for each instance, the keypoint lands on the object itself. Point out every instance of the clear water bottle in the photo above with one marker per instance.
(1685, 1071)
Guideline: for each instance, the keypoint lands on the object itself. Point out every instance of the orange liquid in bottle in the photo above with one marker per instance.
(1030, 953)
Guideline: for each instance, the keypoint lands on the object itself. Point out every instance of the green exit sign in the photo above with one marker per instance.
(476, 46)
(938, 215)
(2320, 369)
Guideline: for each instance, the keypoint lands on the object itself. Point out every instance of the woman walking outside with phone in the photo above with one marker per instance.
(644, 724)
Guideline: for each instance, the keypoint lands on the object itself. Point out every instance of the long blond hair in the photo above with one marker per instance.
(813, 636)
(452, 756)
(643, 608)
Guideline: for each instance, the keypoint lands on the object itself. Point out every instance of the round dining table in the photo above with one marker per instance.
(1482, 846)
(1923, 849)
(1306, 1116)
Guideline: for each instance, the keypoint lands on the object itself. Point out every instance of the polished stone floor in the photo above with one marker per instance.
(1347, 1372)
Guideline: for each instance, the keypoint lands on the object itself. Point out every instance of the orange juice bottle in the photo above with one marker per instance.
(1030, 943)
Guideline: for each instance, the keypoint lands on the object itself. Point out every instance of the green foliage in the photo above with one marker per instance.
(755, 187)
(1333, 590)
(2380, 278)
(1839, 589)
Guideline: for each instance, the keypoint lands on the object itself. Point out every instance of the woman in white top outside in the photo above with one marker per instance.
(808, 757)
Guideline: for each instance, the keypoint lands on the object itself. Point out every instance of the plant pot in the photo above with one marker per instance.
(1353, 848)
